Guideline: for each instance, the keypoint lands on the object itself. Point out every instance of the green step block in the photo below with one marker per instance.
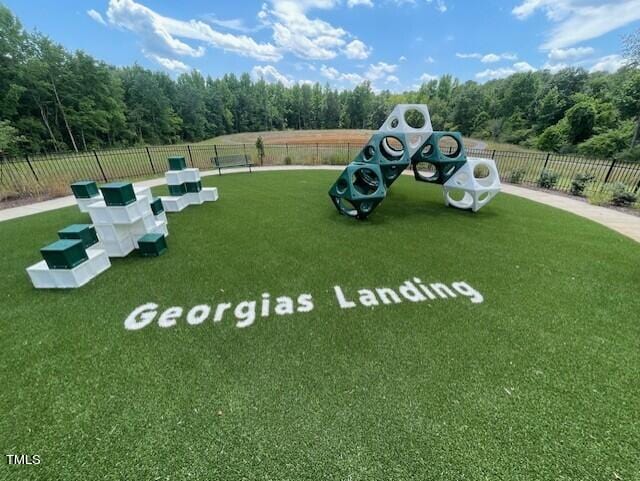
(84, 189)
(156, 206)
(358, 190)
(177, 163)
(177, 190)
(152, 245)
(64, 254)
(444, 163)
(83, 232)
(390, 152)
(193, 186)
(118, 193)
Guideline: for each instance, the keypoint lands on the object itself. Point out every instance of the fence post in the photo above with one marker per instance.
(606, 177)
(493, 154)
(100, 166)
(546, 161)
(26, 156)
(317, 154)
(190, 156)
(153, 170)
(637, 187)
(215, 153)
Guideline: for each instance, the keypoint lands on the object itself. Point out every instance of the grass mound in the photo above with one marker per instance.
(538, 381)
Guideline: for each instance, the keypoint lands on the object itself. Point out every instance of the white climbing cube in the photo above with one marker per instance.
(43, 277)
(83, 204)
(174, 203)
(397, 123)
(478, 181)
(209, 194)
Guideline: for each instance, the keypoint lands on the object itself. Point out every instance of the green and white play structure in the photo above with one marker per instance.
(468, 182)
(124, 217)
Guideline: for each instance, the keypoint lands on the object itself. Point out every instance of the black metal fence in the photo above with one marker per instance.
(29, 174)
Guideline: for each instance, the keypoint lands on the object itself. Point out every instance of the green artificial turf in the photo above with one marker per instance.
(538, 382)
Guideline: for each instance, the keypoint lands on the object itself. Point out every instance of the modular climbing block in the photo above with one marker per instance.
(177, 162)
(390, 152)
(177, 190)
(156, 206)
(84, 189)
(440, 163)
(152, 245)
(193, 186)
(84, 232)
(118, 193)
(358, 190)
(64, 254)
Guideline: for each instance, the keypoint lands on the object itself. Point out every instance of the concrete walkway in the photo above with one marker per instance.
(626, 224)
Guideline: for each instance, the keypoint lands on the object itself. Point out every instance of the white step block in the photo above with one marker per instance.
(477, 191)
(44, 278)
(160, 228)
(194, 198)
(209, 194)
(126, 214)
(83, 204)
(119, 248)
(162, 217)
(177, 177)
(111, 232)
(141, 191)
(174, 203)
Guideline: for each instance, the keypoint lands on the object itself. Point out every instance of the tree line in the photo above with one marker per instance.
(55, 100)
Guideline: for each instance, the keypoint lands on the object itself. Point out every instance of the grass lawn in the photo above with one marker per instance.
(538, 382)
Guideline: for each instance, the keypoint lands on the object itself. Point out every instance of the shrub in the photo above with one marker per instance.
(598, 196)
(553, 138)
(580, 182)
(547, 179)
(621, 195)
(607, 144)
(516, 176)
(630, 155)
(287, 160)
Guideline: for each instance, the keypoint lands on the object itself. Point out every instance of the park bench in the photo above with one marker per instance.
(234, 160)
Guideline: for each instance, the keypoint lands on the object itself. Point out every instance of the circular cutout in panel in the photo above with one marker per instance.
(342, 185)
(459, 198)
(449, 146)
(415, 140)
(415, 119)
(365, 181)
(482, 197)
(368, 152)
(394, 123)
(427, 151)
(483, 175)
(347, 208)
(427, 171)
(391, 148)
(462, 178)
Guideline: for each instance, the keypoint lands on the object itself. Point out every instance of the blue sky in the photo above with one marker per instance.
(393, 43)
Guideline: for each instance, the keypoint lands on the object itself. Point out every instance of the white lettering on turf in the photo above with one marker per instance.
(245, 313)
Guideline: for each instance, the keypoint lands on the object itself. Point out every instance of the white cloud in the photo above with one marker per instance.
(554, 67)
(440, 5)
(609, 63)
(379, 70)
(96, 16)
(161, 35)
(392, 79)
(429, 59)
(580, 20)
(169, 64)
(333, 74)
(270, 74)
(355, 3)
(230, 24)
(357, 50)
(490, 58)
(559, 54)
(469, 55)
(491, 74)
(425, 77)
(402, 58)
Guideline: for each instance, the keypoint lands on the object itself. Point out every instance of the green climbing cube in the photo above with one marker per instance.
(118, 193)
(84, 189)
(390, 152)
(156, 206)
(152, 245)
(177, 190)
(83, 232)
(443, 162)
(193, 186)
(177, 162)
(64, 254)
(358, 190)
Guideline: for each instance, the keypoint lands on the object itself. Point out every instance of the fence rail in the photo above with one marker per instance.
(22, 175)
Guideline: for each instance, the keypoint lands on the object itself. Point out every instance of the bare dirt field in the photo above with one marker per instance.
(336, 136)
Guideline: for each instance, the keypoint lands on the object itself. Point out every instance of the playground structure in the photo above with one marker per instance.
(468, 183)
(125, 217)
